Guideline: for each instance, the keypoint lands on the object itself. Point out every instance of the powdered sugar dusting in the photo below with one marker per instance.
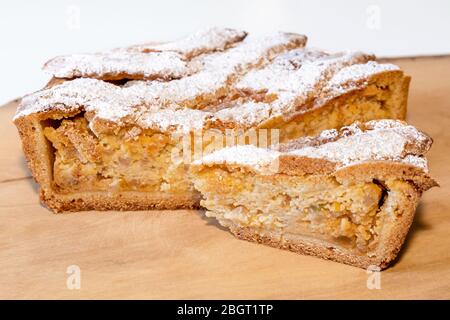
(241, 83)
(249, 114)
(216, 69)
(416, 161)
(183, 120)
(353, 76)
(298, 70)
(375, 145)
(358, 72)
(258, 158)
(387, 140)
(164, 61)
(102, 98)
(298, 75)
(116, 65)
(203, 41)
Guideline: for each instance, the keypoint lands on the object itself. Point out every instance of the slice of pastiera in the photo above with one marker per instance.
(103, 133)
(347, 195)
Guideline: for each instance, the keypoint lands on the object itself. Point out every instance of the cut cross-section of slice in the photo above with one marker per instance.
(346, 195)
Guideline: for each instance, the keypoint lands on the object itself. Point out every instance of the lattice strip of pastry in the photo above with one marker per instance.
(391, 140)
(144, 62)
(289, 82)
(232, 80)
(218, 71)
(201, 42)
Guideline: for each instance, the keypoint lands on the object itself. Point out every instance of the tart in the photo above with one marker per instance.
(348, 195)
(119, 129)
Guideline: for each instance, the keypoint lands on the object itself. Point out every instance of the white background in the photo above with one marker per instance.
(31, 32)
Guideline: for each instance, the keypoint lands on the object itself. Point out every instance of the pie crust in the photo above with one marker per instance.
(103, 133)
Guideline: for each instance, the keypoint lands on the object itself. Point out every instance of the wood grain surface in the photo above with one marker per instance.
(181, 254)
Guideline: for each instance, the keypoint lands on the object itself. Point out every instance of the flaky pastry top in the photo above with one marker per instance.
(376, 141)
(215, 78)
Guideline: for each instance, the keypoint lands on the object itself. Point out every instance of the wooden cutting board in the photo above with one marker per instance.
(181, 254)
